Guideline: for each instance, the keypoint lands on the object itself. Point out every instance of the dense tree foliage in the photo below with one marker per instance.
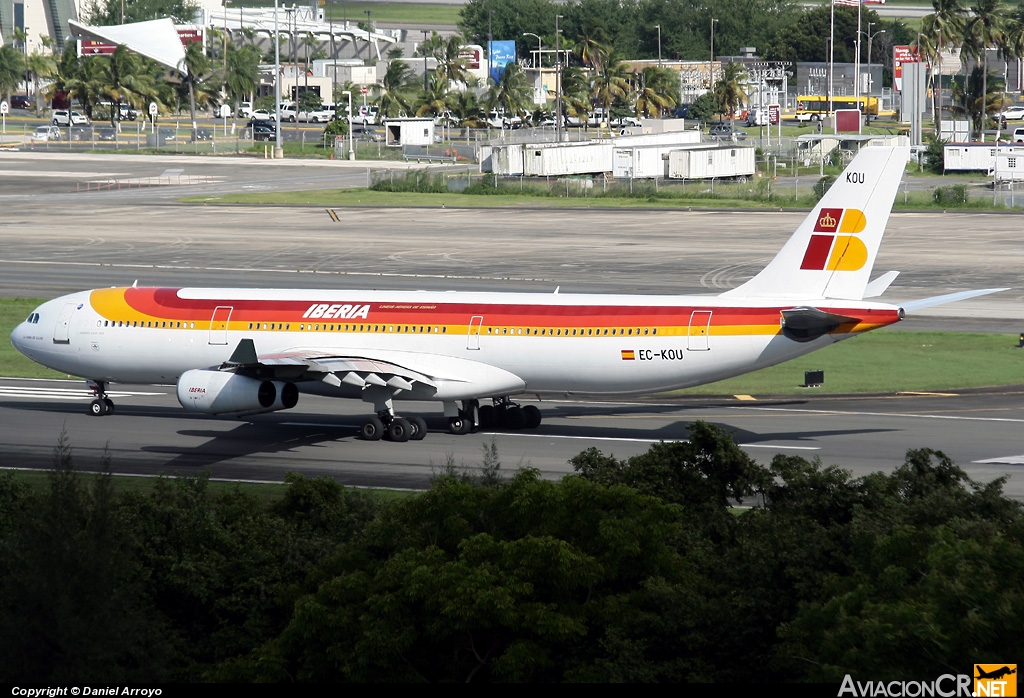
(629, 570)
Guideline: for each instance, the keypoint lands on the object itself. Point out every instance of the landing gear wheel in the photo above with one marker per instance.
(372, 429)
(488, 417)
(419, 428)
(110, 405)
(459, 425)
(514, 417)
(532, 415)
(97, 408)
(399, 430)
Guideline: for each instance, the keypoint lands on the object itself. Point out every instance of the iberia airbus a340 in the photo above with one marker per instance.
(245, 351)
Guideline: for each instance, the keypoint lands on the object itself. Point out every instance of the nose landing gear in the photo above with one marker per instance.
(102, 405)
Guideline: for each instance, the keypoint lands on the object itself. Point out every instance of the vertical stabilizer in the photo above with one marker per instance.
(832, 252)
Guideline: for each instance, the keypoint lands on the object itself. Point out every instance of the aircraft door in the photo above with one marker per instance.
(219, 324)
(62, 330)
(473, 339)
(700, 329)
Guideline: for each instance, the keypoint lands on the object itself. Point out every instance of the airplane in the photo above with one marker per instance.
(999, 673)
(237, 352)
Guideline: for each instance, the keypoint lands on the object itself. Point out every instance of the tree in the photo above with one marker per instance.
(241, 78)
(447, 51)
(512, 93)
(109, 12)
(12, 69)
(393, 92)
(42, 66)
(984, 29)
(125, 80)
(610, 83)
(657, 92)
(968, 100)
(197, 79)
(729, 89)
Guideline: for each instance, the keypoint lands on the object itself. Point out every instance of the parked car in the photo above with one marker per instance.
(20, 102)
(262, 131)
(289, 112)
(681, 111)
(317, 116)
(757, 117)
(260, 115)
(60, 118)
(726, 132)
(244, 110)
(1013, 114)
(204, 134)
(104, 133)
(42, 134)
(1018, 135)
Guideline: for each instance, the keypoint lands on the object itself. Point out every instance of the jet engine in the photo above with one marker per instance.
(223, 392)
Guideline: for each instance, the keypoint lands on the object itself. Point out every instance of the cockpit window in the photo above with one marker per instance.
(33, 319)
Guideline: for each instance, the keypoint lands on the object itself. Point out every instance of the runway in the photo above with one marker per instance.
(54, 241)
(150, 434)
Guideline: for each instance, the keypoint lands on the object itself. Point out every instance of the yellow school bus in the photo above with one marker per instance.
(816, 107)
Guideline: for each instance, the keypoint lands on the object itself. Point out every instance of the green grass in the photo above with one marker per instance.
(884, 361)
(266, 493)
(887, 361)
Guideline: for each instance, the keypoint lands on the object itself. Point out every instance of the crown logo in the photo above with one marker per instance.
(827, 221)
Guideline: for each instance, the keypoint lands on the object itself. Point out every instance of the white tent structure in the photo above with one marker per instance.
(156, 39)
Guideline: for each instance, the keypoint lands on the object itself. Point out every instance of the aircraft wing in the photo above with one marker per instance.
(417, 375)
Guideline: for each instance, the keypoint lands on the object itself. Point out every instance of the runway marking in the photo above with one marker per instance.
(925, 394)
(320, 272)
(745, 398)
(333, 215)
(881, 414)
(779, 446)
(65, 393)
(1004, 460)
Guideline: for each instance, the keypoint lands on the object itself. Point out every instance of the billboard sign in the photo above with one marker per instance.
(501, 54)
(901, 55)
(774, 114)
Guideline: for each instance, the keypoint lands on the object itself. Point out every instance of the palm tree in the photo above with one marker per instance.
(12, 69)
(512, 94)
(576, 94)
(610, 84)
(393, 92)
(41, 65)
(242, 76)
(85, 81)
(657, 91)
(198, 70)
(466, 106)
(947, 26)
(729, 89)
(451, 65)
(983, 30)
(435, 101)
(123, 80)
(967, 97)
(594, 46)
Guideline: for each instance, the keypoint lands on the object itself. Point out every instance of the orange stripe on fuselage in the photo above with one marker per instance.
(164, 304)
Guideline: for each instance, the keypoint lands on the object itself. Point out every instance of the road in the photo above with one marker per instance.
(54, 240)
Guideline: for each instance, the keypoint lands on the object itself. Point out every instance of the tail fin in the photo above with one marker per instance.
(832, 252)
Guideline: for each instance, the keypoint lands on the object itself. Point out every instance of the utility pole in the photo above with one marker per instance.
(558, 81)
(423, 47)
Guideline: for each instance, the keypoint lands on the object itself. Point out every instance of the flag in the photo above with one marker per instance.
(848, 3)
(874, 2)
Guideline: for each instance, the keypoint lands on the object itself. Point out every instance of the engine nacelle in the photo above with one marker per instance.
(222, 392)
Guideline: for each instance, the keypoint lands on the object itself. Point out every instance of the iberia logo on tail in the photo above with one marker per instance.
(834, 251)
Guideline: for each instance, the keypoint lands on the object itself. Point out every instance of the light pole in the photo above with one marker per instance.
(423, 46)
(538, 95)
(558, 81)
(351, 142)
(278, 150)
(658, 27)
(711, 65)
(870, 36)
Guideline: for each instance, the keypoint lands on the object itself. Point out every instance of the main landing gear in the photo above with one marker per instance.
(505, 414)
(400, 429)
(102, 405)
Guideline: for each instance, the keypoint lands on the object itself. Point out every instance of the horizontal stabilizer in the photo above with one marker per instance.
(879, 285)
(948, 298)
